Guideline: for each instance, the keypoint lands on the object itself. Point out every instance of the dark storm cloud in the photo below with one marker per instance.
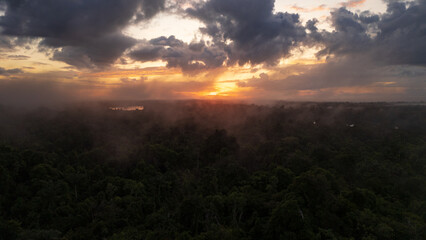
(402, 38)
(101, 51)
(8, 43)
(191, 58)
(396, 37)
(86, 29)
(147, 53)
(256, 34)
(351, 34)
(150, 8)
(164, 41)
(250, 34)
(382, 53)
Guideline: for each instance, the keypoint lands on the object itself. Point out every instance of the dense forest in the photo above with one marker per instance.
(214, 170)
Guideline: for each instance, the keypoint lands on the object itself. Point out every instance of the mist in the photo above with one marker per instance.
(233, 162)
(212, 119)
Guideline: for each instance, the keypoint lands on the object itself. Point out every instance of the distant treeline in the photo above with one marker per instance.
(214, 170)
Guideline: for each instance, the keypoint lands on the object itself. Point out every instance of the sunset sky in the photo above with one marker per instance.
(356, 50)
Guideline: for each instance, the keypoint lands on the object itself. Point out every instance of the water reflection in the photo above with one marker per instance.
(127, 108)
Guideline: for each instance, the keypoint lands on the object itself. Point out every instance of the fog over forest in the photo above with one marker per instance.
(213, 170)
(212, 119)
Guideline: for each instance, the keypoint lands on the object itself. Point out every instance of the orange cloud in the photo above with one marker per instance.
(352, 3)
(321, 7)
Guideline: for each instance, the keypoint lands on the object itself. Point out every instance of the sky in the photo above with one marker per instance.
(54, 51)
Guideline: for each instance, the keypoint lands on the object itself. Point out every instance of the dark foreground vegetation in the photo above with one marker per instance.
(206, 170)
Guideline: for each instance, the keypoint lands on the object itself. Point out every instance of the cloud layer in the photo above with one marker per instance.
(395, 37)
(249, 30)
(86, 33)
(191, 58)
(381, 55)
(366, 51)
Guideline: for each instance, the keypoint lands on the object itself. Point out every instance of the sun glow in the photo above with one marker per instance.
(221, 89)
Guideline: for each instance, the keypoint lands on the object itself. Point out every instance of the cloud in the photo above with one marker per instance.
(248, 30)
(364, 51)
(191, 58)
(150, 8)
(321, 7)
(10, 43)
(18, 57)
(147, 53)
(171, 41)
(102, 51)
(62, 87)
(7, 72)
(351, 34)
(353, 3)
(342, 78)
(88, 30)
(396, 37)
(402, 37)
(253, 34)
(5, 43)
